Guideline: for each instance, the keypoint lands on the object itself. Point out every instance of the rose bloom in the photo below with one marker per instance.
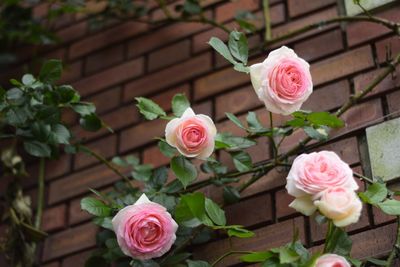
(341, 205)
(313, 173)
(331, 260)
(283, 81)
(144, 230)
(193, 135)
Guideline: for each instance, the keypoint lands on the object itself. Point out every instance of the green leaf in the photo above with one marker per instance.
(216, 214)
(197, 263)
(222, 49)
(67, 94)
(339, 242)
(32, 233)
(41, 131)
(91, 122)
(257, 256)
(240, 232)
(227, 141)
(174, 259)
(231, 195)
(166, 149)
(287, 255)
(377, 261)
(159, 177)
(179, 104)
(241, 68)
(84, 108)
(242, 161)
(319, 134)
(28, 79)
(238, 46)
(390, 206)
(374, 194)
(51, 71)
(143, 172)
(235, 120)
(61, 134)
(104, 222)
(192, 7)
(149, 109)
(184, 170)
(253, 122)
(37, 149)
(95, 207)
(14, 94)
(325, 118)
(191, 206)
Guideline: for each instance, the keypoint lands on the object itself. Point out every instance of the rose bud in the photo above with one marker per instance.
(331, 260)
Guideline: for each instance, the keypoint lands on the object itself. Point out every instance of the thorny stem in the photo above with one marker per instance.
(228, 254)
(267, 20)
(329, 232)
(362, 177)
(107, 163)
(40, 201)
(396, 247)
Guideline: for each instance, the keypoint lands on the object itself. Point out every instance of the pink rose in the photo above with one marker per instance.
(341, 205)
(193, 135)
(283, 81)
(144, 230)
(313, 173)
(331, 260)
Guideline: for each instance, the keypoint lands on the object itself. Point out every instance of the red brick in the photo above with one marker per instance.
(141, 134)
(54, 218)
(363, 31)
(153, 155)
(169, 55)
(76, 214)
(347, 150)
(69, 241)
(236, 101)
(167, 77)
(53, 169)
(52, 264)
(374, 243)
(40, 10)
(361, 116)
(283, 199)
(250, 211)
(342, 65)
(301, 22)
(164, 99)
(390, 44)
(77, 260)
(71, 72)
(228, 11)
(105, 38)
(328, 97)
(162, 37)
(217, 82)
(300, 7)
(73, 32)
(267, 237)
(321, 45)
(104, 58)
(106, 100)
(79, 182)
(393, 101)
(110, 77)
(105, 147)
(363, 80)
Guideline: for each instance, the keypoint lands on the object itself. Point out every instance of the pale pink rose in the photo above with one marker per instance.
(341, 205)
(331, 260)
(144, 230)
(193, 135)
(315, 172)
(283, 81)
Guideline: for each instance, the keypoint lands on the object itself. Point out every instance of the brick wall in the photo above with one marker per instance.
(130, 59)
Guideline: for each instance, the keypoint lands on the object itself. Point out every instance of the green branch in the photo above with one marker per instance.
(396, 247)
(267, 20)
(40, 197)
(228, 254)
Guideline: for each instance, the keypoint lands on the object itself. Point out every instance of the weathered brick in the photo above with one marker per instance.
(76, 214)
(104, 58)
(105, 38)
(107, 100)
(169, 55)
(73, 32)
(360, 32)
(162, 37)
(300, 7)
(54, 218)
(227, 11)
(110, 77)
(76, 260)
(106, 147)
(167, 77)
(321, 45)
(342, 65)
(69, 241)
(393, 101)
(389, 45)
(236, 101)
(250, 211)
(153, 155)
(347, 150)
(140, 134)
